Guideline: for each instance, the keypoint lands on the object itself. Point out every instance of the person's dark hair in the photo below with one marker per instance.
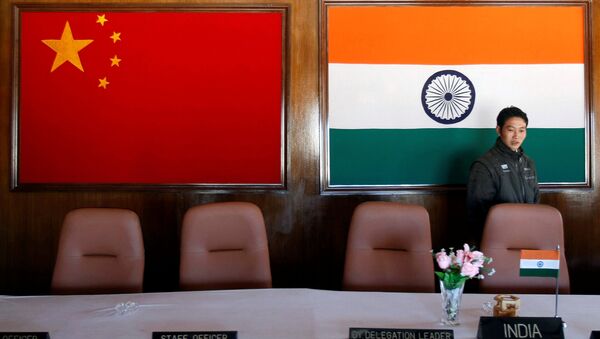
(511, 112)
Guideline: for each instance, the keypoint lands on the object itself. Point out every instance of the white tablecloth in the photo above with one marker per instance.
(269, 313)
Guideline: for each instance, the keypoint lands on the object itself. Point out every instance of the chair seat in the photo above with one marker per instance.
(224, 246)
(100, 250)
(388, 249)
(509, 228)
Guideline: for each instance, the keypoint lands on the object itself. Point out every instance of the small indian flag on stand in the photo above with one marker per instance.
(539, 263)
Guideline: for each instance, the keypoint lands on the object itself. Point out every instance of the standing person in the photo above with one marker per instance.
(502, 175)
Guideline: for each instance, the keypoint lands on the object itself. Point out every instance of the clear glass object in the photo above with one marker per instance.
(451, 304)
(126, 307)
(487, 309)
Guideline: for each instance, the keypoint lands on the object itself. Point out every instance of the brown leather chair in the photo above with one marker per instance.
(389, 249)
(101, 250)
(224, 246)
(512, 227)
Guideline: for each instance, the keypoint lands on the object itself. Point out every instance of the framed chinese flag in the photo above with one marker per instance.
(149, 97)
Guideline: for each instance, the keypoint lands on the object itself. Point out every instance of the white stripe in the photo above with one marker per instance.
(533, 263)
(389, 96)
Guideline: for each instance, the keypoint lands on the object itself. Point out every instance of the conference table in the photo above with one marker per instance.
(269, 313)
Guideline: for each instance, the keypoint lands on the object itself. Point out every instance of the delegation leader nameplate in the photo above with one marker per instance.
(399, 333)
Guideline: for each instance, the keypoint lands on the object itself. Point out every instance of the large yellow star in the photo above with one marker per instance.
(67, 49)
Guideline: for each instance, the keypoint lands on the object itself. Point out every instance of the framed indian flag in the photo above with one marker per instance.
(149, 96)
(411, 90)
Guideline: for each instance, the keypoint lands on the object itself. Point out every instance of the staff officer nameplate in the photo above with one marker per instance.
(195, 335)
(399, 333)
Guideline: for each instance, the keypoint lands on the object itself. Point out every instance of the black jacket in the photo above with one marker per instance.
(500, 175)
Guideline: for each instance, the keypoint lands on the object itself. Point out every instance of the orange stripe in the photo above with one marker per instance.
(540, 254)
(452, 35)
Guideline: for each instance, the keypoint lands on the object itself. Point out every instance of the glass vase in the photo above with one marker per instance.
(451, 304)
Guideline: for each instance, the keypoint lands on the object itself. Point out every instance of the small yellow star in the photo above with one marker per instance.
(67, 48)
(101, 19)
(114, 61)
(103, 83)
(116, 37)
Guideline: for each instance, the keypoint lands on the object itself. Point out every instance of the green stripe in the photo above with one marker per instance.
(538, 272)
(443, 156)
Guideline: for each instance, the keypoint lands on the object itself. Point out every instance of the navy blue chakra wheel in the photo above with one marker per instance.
(448, 97)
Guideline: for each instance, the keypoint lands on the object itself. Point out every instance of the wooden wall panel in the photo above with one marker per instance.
(306, 230)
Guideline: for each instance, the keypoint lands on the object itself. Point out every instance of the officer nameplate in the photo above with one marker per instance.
(24, 335)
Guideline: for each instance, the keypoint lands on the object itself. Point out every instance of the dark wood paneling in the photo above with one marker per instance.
(307, 231)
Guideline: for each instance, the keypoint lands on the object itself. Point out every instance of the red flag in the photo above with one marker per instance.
(150, 97)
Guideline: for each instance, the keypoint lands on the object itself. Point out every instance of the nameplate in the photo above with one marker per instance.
(399, 333)
(595, 335)
(195, 335)
(520, 328)
(24, 335)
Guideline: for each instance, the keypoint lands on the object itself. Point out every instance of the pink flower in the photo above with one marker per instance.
(459, 258)
(469, 270)
(475, 258)
(443, 260)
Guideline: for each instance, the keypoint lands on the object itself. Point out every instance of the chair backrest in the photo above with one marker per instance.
(389, 249)
(224, 246)
(509, 228)
(101, 250)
